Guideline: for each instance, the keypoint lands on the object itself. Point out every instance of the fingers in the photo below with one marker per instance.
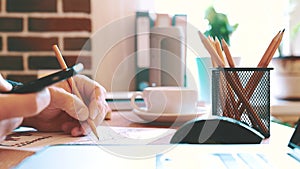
(4, 85)
(87, 87)
(8, 125)
(93, 109)
(76, 129)
(83, 129)
(98, 104)
(23, 105)
(95, 94)
(69, 103)
(72, 128)
(84, 84)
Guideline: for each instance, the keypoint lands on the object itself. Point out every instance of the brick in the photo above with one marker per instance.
(1, 43)
(11, 24)
(21, 78)
(77, 44)
(11, 63)
(77, 6)
(42, 62)
(85, 60)
(50, 62)
(59, 24)
(30, 43)
(31, 5)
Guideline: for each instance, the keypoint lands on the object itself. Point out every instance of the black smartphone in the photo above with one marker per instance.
(40, 84)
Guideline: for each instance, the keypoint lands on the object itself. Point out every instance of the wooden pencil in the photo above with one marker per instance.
(73, 86)
(230, 102)
(263, 60)
(211, 50)
(219, 50)
(211, 41)
(251, 112)
(256, 77)
(274, 49)
(237, 87)
(227, 54)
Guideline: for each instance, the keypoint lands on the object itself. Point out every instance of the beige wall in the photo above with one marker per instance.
(113, 43)
(294, 20)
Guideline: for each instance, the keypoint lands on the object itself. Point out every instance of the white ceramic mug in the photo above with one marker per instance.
(167, 100)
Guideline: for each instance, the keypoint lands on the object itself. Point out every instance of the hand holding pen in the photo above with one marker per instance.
(97, 106)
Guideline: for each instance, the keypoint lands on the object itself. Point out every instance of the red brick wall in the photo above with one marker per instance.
(29, 28)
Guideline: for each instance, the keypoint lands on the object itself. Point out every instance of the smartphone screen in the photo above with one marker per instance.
(40, 84)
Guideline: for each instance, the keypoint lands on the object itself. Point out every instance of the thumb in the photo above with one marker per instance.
(69, 103)
(4, 85)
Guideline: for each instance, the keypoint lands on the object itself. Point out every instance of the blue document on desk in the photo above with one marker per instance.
(257, 156)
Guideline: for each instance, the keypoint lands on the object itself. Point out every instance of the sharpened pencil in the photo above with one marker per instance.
(228, 54)
(72, 86)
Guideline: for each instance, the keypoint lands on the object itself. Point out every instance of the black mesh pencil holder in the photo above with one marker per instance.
(243, 94)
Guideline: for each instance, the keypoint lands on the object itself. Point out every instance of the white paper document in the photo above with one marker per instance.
(28, 139)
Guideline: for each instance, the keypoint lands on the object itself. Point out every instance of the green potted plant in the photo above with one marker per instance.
(220, 28)
(218, 25)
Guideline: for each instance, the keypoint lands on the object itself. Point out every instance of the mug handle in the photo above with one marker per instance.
(132, 101)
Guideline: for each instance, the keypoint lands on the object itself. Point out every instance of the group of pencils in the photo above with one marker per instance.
(236, 97)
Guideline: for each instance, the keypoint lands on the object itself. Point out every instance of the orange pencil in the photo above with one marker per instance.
(228, 54)
(263, 61)
(72, 86)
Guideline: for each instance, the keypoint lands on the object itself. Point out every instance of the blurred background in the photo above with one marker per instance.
(102, 34)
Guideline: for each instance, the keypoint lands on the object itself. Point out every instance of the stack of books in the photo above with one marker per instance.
(160, 47)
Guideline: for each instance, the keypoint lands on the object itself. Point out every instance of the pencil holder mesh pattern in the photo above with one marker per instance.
(243, 94)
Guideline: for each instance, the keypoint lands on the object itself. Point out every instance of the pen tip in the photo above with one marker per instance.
(97, 136)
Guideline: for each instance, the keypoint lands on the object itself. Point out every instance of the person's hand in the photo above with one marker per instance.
(16, 106)
(8, 125)
(67, 112)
